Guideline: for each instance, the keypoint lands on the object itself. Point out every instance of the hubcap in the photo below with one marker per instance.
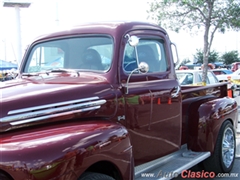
(228, 147)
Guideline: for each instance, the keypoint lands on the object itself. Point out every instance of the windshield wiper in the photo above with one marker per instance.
(30, 74)
(60, 70)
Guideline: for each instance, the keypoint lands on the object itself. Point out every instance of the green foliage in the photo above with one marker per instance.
(185, 61)
(187, 14)
(230, 57)
(207, 15)
(212, 58)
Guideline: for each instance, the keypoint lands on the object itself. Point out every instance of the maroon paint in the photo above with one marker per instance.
(64, 149)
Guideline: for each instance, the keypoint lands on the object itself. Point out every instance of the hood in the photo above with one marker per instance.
(225, 77)
(54, 97)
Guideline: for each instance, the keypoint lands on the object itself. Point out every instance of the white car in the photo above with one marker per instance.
(194, 77)
(233, 78)
(224, 77)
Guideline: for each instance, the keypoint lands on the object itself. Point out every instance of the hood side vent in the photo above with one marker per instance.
(23, 116)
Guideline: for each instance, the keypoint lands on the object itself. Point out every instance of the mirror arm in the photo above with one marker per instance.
(143, 68)
(129, 79)
(127, 36)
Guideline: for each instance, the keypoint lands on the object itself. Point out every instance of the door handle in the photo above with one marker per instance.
(175, 92)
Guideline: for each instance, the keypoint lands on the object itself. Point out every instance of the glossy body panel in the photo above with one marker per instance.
(149, 126)
(203, 113)
(212, 114)
(36, 92)
(149, 97)
(64, 150)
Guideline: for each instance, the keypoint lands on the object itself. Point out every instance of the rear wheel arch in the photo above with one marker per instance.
(102, 168)
(94, 176)
(207, 122)
(5, 176)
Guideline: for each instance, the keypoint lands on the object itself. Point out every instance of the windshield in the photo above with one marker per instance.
(91, 53)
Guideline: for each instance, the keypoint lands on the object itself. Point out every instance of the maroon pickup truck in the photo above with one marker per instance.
(101, 101)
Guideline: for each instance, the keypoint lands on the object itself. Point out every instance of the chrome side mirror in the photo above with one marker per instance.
(132, 40)
(143, 67)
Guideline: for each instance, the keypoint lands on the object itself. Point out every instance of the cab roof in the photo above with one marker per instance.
(114, 28)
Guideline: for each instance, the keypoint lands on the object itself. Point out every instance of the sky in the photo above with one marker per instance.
(44, 16)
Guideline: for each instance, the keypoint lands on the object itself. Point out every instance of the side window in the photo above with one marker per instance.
(130, 61)
(212, 79)
(150, 51)
(200, 78)
(185, 78)
(217, 72)
(190, 79)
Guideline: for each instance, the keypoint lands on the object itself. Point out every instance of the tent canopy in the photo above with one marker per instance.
(4, 65)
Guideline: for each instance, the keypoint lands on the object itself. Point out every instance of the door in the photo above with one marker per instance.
(152, 101)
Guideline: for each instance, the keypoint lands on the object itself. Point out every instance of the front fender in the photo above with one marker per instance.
(208, 121)
(64, 150)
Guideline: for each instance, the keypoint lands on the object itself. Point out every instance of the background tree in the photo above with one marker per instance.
(230, 57)
(185, 61)
(212, 15)
(212, 58)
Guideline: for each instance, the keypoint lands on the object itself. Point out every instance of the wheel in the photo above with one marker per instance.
(4, 176)
(222, 159)
(95, 176)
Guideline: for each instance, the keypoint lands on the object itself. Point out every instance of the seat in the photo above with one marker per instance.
(91, 59)
(146, 54)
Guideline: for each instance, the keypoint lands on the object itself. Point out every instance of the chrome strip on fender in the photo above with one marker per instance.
(38, 113)
(52, 105)
(52, 116)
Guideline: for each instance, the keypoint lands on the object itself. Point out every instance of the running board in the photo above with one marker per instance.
(170, 166)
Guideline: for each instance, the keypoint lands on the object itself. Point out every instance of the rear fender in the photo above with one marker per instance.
(205, 120)
(65, 150)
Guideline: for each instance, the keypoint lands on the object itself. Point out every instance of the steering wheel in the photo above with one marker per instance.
(130, 66)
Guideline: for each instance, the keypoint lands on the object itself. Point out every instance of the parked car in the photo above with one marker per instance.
(234, 78)
(6, 76)
(235, 66)
(221, 71)
(194, 77)
(189, 66)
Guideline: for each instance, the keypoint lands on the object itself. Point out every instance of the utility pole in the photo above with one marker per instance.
(17, 4)
(5, 48)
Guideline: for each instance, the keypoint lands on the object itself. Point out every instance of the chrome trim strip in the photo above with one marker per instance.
(51, 105)
(51, 116)
(29, 115)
